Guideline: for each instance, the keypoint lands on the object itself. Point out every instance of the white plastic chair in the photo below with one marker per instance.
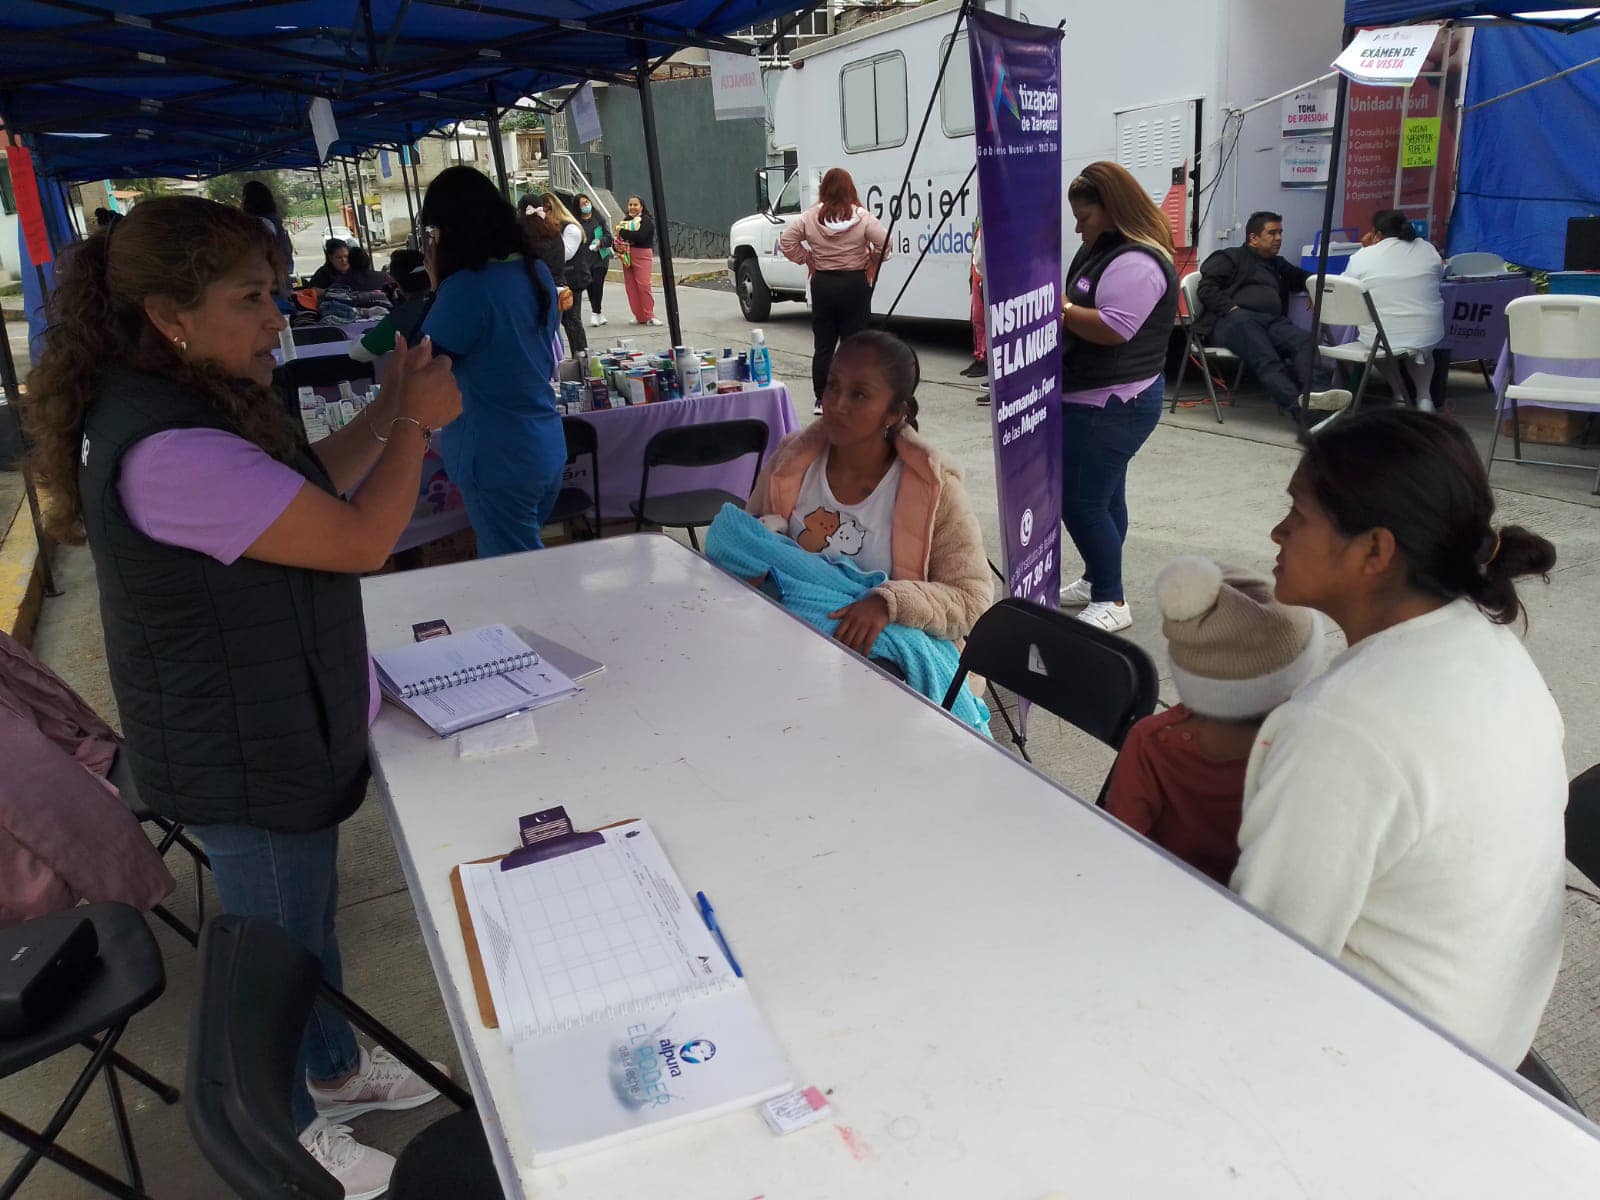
(1474, 262)
(1559, 327)
(1347, 302)
(1195, 346)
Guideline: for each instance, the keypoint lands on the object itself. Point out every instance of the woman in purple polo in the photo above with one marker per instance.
(1120, 301)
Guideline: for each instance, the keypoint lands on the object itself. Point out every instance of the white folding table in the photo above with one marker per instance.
(1002, 991)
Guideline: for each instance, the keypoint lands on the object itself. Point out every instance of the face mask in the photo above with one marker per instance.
(585, 209)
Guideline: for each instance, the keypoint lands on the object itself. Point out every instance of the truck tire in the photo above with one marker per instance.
(755, 301)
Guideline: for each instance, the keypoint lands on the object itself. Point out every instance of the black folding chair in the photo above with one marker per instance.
(1537, 1072)
(127, 978)
(575, 502)
(172, 834)
(255, 992)
(1583, 822)
(706, 445)
(328, 370)
(319, 335)
(1089, 678)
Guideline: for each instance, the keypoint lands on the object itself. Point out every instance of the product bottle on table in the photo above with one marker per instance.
(760, 358)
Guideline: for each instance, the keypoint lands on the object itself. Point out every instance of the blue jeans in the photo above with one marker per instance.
(291, 879)
(507, 520)
(1096, 446)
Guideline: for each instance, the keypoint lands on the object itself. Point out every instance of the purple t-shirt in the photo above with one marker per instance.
(1130, 288)
(212, 492)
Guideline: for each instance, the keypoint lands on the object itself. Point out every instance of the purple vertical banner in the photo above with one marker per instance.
(1016, 81)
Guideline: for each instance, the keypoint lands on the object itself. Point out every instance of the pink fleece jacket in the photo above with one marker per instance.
(821, 247)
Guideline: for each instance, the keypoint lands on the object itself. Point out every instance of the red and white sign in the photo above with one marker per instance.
(1310, 111)
(736, 91)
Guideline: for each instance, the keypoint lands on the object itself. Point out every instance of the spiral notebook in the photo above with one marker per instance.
(622, 1014)
(466, 679)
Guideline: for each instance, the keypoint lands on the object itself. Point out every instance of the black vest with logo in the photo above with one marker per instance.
(243, 689)
(1085, 365)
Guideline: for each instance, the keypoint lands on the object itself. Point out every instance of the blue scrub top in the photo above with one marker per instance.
(509, 432)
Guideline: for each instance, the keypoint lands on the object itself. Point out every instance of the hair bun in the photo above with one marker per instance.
(1187, 587)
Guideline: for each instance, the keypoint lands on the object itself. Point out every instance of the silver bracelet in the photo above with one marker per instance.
(427, 434)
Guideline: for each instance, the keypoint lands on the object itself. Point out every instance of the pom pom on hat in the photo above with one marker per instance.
(1187, 588)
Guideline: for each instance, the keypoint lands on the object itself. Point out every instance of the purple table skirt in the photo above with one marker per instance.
(1527, 364)
(623, 433)
(1474, 315)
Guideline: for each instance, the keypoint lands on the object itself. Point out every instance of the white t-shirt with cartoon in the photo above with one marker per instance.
(862, 534)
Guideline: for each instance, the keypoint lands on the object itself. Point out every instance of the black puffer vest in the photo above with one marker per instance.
(243, 689)
(1085, 365)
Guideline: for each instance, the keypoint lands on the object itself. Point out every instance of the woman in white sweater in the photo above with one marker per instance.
(1404, 811)
(1402, 273)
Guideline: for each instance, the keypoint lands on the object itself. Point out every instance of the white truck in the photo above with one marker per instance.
(1147, 83)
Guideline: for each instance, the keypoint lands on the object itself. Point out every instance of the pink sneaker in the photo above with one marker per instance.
(362, 1172)
(382, 1084)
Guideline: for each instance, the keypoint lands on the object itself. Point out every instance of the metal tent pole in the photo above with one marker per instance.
(350, 195)
(658, 194)
(498, 150)
(415, 238)
(323, 188)
(362, 215)
(1328, 199)
(13, 394)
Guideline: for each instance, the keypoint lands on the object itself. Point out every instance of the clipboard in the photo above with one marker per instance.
(552, 843)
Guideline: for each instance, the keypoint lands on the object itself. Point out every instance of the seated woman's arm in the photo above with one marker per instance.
(959, 587)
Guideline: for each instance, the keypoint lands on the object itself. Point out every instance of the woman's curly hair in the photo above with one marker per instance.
(174, 247)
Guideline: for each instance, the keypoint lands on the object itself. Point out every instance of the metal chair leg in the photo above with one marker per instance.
(63, 1113)
(161, 1090)
(1183, 371)
(693, 541)
(1516, 432)
(1020, 739)
(1211, 391)
(119, 1118)
(1494, 436)
(396, 1045)
(65, 1159)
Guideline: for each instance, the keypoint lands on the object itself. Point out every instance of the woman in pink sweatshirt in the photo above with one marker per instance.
(842, 244)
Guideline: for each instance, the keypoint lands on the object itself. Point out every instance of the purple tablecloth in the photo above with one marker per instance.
(623, 433)
(1528, 364)
(1474, 315)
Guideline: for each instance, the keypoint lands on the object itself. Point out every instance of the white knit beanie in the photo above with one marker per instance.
(1236, 652)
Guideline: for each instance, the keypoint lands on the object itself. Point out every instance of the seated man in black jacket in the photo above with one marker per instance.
(1244, 302)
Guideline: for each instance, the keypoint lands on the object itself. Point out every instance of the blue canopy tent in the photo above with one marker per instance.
(168, 87)
(1360, 14)
(174, 87)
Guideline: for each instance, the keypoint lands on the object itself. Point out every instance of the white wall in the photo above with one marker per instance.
(1272, 45)
(9, 256)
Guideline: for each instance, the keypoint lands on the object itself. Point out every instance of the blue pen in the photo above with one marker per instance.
(709, 916)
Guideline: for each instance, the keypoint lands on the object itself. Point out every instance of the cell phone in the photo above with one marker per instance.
(424, 630)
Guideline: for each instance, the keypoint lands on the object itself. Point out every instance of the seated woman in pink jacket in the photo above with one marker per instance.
(842, 244)
(861, 484)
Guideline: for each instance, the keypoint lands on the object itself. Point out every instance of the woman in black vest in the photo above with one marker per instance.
(1120, 300)
(228, 563)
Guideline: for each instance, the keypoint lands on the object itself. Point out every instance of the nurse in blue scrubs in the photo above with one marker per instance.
(495, 312)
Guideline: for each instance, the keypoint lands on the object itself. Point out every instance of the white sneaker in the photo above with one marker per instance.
(1076, 593)
(382, 1084)
(653, 321)
(594, 321)
(1332, 401)
(816, 409)
(1425, 404)
(600, 319)
(1107, 616)
(362, 1172)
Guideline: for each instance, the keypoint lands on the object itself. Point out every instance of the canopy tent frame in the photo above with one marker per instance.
(1447, 15)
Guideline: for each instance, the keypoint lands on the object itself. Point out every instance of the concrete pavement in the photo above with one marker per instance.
(1196, 488)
